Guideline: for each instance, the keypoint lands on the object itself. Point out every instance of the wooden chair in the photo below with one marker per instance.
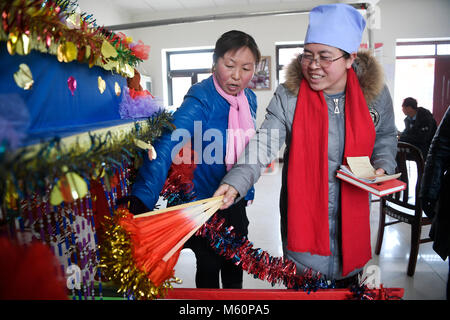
(405, 206)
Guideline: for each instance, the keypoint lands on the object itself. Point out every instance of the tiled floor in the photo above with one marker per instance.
(428, 282)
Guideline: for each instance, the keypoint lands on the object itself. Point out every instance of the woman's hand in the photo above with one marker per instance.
(229, 195)
(380, 172)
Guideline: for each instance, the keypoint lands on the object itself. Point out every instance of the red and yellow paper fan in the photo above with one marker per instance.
(140, 252)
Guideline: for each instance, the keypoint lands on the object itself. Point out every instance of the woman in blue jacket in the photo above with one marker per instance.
(217, 118)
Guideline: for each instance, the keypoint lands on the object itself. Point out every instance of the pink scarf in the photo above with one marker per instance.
(240, 125)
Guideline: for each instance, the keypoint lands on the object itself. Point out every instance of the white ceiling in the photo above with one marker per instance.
(117, 12)
(153, 6)
(122, 12)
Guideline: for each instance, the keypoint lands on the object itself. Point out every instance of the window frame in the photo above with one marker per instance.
(415, 42)
(185, 73)
(279, 47)
(426, 42)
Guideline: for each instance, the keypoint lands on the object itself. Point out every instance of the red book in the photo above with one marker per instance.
(379, 189)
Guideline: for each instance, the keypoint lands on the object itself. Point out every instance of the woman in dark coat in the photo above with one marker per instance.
(435, 190)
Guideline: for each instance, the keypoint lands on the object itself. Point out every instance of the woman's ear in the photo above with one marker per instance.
(351, 59)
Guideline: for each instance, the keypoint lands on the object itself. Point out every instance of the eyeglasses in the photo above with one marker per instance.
(324, 62)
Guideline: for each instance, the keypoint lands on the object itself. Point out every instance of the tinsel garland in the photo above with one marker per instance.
(262, 265)
(32, 170)
(178, 187)
(72, 230)
(68, 230)
(117, 255)
(43, 25)
(118, 264)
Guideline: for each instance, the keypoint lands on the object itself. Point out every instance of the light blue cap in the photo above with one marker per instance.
(337, 25)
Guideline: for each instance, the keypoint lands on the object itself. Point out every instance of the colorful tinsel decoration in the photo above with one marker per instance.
(121, 253)
(71, 227)
(262, 265)
(118, 263)
(178, 187)
(52, 26)
(31, 169)
(138, 104)
(142, 251)
(72, 230)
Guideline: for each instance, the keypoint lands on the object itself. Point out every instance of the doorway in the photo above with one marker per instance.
(422, 71)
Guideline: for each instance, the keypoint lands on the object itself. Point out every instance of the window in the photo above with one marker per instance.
(415, 50)
(185, 68)
(284, 55)
(415, 73)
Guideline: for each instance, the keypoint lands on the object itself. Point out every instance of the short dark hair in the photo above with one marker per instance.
(410, 102)
(233, 40)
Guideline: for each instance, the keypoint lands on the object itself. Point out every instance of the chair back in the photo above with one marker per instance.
(410, 164)
(404, 206)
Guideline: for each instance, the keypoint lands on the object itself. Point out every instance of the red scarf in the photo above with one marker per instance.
(308, 229)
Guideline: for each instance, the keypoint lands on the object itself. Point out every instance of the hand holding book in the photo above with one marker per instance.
(361, 168)
(361, 174)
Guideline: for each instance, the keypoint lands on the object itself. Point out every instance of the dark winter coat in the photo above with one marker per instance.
(436, 188)
(420, 131)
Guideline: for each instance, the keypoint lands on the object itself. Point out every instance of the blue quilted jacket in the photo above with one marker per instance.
(206, 111)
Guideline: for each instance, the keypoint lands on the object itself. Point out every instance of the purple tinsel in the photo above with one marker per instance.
(140, 107)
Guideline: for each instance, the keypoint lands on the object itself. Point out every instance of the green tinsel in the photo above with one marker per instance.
(32, 170)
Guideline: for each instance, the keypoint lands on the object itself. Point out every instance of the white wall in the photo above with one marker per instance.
(399, 19)
(410, 19)
(105, 14)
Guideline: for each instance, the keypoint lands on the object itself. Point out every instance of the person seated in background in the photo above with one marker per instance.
(420, 126)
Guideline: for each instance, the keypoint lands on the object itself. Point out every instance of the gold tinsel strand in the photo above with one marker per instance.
(116, 261)
(36, 25)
